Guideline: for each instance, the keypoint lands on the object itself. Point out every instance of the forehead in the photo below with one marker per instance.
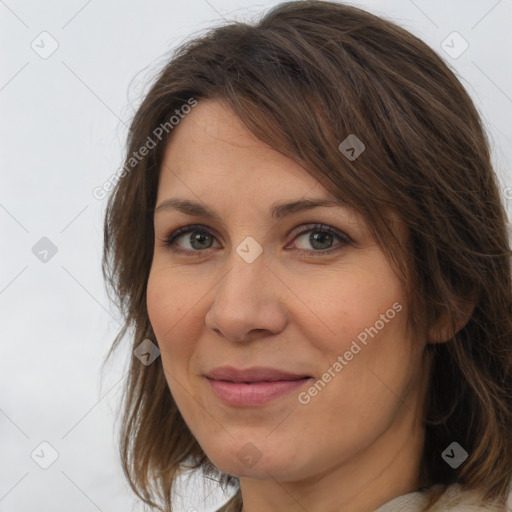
(212, 150)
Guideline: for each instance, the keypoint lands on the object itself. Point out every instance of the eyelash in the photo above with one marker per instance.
(169, 242)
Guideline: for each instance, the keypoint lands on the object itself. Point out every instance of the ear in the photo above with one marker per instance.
(441, 332)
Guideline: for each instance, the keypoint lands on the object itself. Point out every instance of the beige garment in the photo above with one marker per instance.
(453, 499)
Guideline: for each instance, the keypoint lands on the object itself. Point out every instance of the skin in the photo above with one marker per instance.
(356, 444)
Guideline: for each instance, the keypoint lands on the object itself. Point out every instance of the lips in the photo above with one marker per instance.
(254, 374)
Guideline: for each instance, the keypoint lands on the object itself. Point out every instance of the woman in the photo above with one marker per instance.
(309, 229)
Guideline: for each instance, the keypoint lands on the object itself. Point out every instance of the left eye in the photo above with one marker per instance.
(320, 238)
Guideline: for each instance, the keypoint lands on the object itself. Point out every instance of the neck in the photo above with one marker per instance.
(387, 468)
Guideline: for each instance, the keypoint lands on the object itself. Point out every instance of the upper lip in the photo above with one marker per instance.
(254, 374)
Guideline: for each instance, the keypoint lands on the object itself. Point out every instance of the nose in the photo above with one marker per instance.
(248, 302)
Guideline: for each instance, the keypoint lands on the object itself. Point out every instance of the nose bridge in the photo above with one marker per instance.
(245, 272)
(245, 298)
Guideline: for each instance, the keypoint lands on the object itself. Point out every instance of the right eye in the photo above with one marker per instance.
(199, 239)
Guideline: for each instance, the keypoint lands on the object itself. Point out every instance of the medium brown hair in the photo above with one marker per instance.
(302, 79)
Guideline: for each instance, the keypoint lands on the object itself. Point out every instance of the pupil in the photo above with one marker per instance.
(198, 237)
(318, 237)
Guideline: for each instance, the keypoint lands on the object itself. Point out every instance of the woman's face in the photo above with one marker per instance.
(261, 286)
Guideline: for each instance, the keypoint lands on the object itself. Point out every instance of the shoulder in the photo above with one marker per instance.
(452, 498)
(457, 498)
(442, 498)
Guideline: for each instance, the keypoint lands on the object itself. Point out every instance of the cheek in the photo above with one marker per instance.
(170, 309)
(360, 317)
(169, 297)
(348, 304)
(375, 359)
(173, 316)
(160, 304)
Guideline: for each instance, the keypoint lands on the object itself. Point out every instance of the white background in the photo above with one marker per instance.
(63, 123)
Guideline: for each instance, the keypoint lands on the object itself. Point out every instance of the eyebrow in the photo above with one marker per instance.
(277, 211)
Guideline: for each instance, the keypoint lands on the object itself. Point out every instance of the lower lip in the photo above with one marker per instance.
(256, 393)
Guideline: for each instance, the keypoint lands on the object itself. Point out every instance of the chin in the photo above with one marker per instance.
(244, 459)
